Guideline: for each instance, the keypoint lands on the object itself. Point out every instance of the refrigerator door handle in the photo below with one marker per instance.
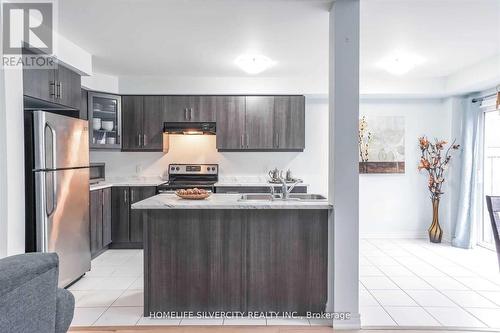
(43, 212)
(54, 158)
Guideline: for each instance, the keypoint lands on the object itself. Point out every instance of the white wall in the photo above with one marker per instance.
(310, 165)
(396, 205)
(223, 85)
(3, 169)
(477, 77)
(101, 82)
(12, 161)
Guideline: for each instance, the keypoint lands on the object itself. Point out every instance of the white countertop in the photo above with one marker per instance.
(156, 181)
(100, 186)
(251, 184)
(224, 201)
(126, 181)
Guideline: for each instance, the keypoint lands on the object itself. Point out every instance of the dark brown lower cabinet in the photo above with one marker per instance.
(120, 226)
(127, 224)
(106, 217)
(100, 221)
(136, 217)
(235, 260)
(287, 261)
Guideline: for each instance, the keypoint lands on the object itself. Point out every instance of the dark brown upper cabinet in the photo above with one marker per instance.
(84, 112)
(190, 108)
(132, 121)
(289, 122)
(260, 123)
(105, 120)
(152, 132)
(68, 87)
(142, 118)
(259, 119)
(60, 85)
(230, 122)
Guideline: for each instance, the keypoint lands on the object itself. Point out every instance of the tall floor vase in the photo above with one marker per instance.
(435, 231)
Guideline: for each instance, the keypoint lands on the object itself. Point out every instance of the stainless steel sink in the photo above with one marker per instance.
(278, 197)
(258, 197)
(306, 196)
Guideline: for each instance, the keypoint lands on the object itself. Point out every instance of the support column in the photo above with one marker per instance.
(343, 161)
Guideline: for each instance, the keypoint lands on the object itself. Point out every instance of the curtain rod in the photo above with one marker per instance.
(480, 99)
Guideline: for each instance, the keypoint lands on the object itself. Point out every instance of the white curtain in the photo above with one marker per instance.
(470, 204)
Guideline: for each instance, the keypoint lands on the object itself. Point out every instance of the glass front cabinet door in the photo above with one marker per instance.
(104, 121)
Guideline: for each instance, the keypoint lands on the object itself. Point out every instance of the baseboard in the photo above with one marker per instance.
(394, 235)
(353, 323)
(402, 235)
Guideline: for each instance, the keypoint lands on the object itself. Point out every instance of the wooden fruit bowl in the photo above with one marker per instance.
(193, 196)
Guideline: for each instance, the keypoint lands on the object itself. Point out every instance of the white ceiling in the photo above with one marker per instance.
(198, 37)
(203, 37)
(449, 34)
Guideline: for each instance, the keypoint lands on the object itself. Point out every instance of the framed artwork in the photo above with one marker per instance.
(382, 144)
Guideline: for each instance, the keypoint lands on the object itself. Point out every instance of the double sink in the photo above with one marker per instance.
(279, 197)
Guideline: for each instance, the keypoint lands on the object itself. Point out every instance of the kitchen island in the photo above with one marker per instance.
(224, 254)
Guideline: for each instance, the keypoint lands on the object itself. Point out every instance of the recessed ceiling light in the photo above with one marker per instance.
(400, 63)
(254, 63)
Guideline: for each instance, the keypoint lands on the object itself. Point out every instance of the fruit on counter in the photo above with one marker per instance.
(191, 191)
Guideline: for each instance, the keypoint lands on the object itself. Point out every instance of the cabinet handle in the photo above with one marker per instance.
(186, 114)
(131, 195)
(125, 197)
(144, 140)
(191, 114)
(277, 140)
(60, 93)
(241, 141)
(139, 140)
(52, 88)
(248, 139)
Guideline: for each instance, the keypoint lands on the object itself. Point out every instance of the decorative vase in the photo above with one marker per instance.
(435, 231)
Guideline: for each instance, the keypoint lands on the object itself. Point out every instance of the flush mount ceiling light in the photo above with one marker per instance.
(400, 63)
(253, 63)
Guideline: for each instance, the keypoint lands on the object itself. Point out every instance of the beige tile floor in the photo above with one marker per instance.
(414, 283)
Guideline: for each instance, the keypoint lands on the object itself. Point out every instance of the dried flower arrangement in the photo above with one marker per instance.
(435, 158)
(364, 138)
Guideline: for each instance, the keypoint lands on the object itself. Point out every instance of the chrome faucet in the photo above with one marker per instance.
(285, 189)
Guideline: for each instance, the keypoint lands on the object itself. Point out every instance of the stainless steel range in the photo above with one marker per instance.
(181, 176)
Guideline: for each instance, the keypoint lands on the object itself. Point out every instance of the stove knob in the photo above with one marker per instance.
(208, 168)
(213, 168)
(177, 168)
(172, 168)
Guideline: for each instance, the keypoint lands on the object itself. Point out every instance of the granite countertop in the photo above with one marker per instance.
(128, 181)
(224, 201)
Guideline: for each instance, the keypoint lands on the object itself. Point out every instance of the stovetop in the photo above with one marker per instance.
(191, 175)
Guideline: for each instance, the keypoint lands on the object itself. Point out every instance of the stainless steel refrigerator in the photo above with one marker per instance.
(57, 152)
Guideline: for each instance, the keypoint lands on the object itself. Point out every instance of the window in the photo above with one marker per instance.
(491, 179)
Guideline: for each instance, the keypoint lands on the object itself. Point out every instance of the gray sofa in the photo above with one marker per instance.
(30, 301)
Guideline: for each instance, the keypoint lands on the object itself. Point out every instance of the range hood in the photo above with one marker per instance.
(189, 128)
